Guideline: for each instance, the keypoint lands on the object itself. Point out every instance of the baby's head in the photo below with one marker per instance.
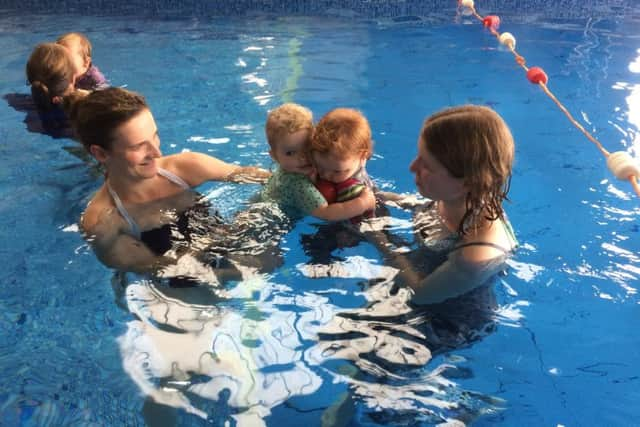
(80, 48)
(341, 144)
(288, 130)
(50, 72)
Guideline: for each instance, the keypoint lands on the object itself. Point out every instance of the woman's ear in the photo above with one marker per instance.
(99, 153)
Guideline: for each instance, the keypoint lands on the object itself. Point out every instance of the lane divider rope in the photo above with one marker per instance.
(620, 163)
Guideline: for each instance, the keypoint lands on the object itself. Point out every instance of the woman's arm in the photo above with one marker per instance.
(103, 229)
(454, 277)
(249, 175)
(123, 252)
(196, 168)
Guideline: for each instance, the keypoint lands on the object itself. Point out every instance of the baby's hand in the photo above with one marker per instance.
(368, 199)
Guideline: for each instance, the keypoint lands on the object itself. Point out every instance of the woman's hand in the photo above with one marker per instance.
(403, 201)
(249, 175)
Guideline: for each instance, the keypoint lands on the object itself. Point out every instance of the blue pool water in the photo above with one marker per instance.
(559, 348)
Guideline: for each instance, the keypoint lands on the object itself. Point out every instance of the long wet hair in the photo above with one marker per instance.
(50, 72)
(474, 144)
(98, 115)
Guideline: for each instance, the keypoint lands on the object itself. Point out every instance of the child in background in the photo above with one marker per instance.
(88, 77)
(288, 130)
(50, 72)
(340, 147)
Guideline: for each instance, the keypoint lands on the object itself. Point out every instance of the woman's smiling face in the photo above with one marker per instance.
(135, 147)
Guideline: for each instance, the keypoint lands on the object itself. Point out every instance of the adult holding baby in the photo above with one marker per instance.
(463, 167)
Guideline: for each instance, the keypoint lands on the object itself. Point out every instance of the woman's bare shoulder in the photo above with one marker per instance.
(183, 165)
(480, 253)
(492, 242)
(96, 216)
(170, 161)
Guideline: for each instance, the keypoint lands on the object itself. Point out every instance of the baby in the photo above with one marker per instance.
(289, 129)
(340, 147)
(87, 75)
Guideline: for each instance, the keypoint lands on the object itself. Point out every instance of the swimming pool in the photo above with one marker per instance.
(560, 347)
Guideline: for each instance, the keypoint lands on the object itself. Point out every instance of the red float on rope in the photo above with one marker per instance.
(620, 163)
(536, 75)
(491, 21)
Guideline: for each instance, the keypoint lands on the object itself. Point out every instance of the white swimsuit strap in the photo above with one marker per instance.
(134, 229)
(174, 178)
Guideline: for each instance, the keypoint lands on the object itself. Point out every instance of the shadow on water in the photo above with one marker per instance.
(52, 123)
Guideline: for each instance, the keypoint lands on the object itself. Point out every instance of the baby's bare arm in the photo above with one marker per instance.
(344, 210)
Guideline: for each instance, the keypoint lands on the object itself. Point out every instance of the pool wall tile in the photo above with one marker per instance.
(405, 9)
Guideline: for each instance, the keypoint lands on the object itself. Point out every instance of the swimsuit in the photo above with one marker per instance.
(507, 228)
(93, 79)
(433, 235)
(160, 239)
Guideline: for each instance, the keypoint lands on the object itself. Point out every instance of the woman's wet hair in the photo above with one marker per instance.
(50, 72)
(96, 116)
(474, 144)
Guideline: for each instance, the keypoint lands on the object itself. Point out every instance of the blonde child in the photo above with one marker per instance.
(87, 75)
(289, 129)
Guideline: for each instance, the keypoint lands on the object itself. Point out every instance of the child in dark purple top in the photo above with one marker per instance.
(88, 77)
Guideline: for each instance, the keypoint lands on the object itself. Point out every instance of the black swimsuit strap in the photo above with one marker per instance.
(493, 245)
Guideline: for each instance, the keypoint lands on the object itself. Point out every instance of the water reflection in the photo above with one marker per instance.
(633, 102)
(241, 352)
(235, 348)
(388, 344)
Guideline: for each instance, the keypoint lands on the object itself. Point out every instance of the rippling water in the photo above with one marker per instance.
(309, 326)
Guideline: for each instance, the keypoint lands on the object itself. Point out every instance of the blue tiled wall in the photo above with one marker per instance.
(357, 8)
